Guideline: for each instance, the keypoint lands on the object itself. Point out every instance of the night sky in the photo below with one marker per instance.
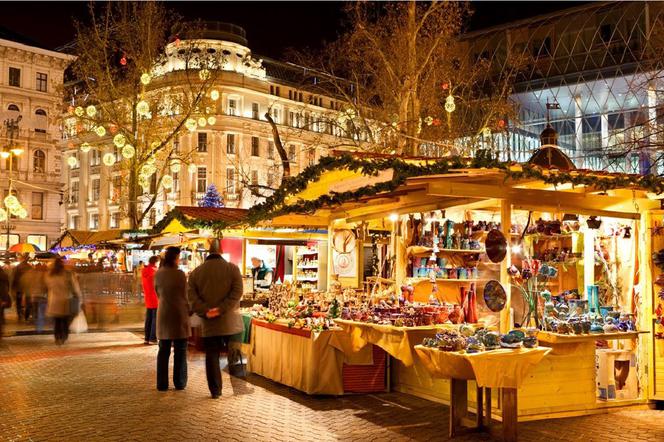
(271, 27)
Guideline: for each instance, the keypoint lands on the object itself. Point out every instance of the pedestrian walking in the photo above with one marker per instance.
(5, 298)
(64, 298)
(35, 288)
(170, 283)
(214, 291)
(22, 311)
(151, 301)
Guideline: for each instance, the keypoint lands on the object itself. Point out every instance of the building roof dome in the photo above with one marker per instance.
(549, 155)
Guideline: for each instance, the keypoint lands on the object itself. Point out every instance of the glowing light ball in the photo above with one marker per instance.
(167, 181)
(109, 159)
(175, 166)
(192, 168)
(151, 160)
(71, 162)
(148, 169)
(11, 201)
(190, 124)
(211, 120)
(100, 131)
(214, 94)
(22, 213)
(145, 78)
(119, 140)
(79, 111)
(91, 111)
(449, 104)
(128, 151)
(202, 121)
(142, 107)
(85, 147)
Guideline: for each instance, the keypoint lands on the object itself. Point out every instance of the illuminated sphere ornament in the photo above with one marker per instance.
(22, 213)
(79, 111)
(151, 160)
(119, 140)
(109, 159)
(190, 124)
(192, 168)
(204, 74)
(100, 131)
(202, 121)
(128, 151)
(15, 210)
(91, 111)
(3, 215)
(85, 147)
(167, 181)
(142, 107)
(11, 201)
(214, 94)
(486, 132)
(145, 78)
(449, 104)
(211, 120)
(175, 166)
(71, 162)
(148, 169)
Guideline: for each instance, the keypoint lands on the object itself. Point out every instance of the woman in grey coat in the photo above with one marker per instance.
(172, 320)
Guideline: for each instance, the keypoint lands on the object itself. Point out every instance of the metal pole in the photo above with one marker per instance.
(12, 125)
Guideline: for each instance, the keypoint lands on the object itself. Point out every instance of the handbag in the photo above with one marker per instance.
(75, 300)
(79, 324)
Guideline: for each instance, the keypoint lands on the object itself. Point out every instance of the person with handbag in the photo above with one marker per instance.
(151, 300)
(64, 297)
(170, 283)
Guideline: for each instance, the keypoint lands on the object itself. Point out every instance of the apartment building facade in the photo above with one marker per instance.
(30, 102)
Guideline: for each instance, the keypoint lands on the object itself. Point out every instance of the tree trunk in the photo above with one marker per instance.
(283, 155)
(132, 206)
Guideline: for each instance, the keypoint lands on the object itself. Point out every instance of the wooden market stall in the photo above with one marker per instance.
(350, 196)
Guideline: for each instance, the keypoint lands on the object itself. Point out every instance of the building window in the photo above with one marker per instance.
(255, 111)
(276, 115)
(230, 180)
(153, 183)
(41, 121)
(311, 157)
(73, 192)
(176, 182)
(255, 147)
(232, 106)
(201, 180)
(95, 157)
(275, 90)
(74, 221)
(15, 77)
(13, 240)
(292, 155)
(254, 178)
(39, 161)
(270, 179)
(93, 223)
(37, 240)
(95, 189)
(115, 220)
(230, 144)
(202, 142)
(152, 220)
(115, 188)
(37, 205)
(270, 150)
(176, 146)
(42, 82)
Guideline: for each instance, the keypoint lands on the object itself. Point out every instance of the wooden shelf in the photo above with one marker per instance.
(307, 267)
(557, 338)
(421, 250)
(418, 280)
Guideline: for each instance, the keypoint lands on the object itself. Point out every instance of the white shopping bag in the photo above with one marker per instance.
(79, 324)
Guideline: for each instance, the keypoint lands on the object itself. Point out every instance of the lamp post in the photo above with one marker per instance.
(10, 151)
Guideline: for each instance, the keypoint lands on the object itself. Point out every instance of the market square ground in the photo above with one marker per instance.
(100, 386)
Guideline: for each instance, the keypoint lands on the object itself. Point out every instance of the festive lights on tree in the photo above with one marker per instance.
(100, 131)
(202, 121)
(85, 147)
(175, 166)
(214, 94)
(190, 124)
(146, 78)
(167, 181)
(109, 159)
(211, 120)
(449, 104)
(79, 111)
(119, 140)
(128, 151)
(72, 161)
(142, 108)
(91, 111)
(192, 168)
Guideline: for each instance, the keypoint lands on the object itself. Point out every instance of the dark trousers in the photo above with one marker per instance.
(213, 347)
(150, 324)
(19, 305)
(179, 363)
(61, 328)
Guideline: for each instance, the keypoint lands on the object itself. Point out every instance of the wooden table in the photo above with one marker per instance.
(504, 369)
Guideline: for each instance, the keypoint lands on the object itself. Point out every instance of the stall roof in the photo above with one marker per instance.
(75, 238)
(186, 218)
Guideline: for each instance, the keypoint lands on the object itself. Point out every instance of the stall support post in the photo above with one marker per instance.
(330, 262)
(244, 257)
(644, 238)
(505, 227)
(588, 262)
(400, 261)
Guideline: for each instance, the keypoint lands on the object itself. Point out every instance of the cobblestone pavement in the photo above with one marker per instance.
(101, 386)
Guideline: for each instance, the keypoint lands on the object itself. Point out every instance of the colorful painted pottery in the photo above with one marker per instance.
(495, 297)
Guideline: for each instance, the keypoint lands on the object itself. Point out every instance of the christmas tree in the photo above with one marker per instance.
(211, 198)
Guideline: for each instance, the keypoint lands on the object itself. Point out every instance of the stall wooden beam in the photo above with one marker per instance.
(505, 226)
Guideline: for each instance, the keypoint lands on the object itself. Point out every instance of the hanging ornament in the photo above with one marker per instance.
(203, 74)
(119, 140)
(449, 104)
(214, 94)
(428, 120)
(3, 215)
(100, 131)
(71, 162)
(486, 132)
(128, 151)
(177, 40)
(15, 210)
(145, 78)
(190, 124)
(192, 168)
(91, 111)
(148, 169)
(501, 123)
(79, 111)
(167, 181)
(142, 107)
(445, 86)
(436, 122)
(113, 128)
(109, 158)
(22, 213)
(85, 147)
(202, 121)
(175, 166)
(11, 201)
(151, 160)
(211, 120)
(123, 60)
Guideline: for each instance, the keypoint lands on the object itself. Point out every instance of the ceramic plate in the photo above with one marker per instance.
(495, 296)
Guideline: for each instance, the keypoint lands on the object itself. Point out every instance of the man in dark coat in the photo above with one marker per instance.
(5, 299)
(18, 287)
(214, 291)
